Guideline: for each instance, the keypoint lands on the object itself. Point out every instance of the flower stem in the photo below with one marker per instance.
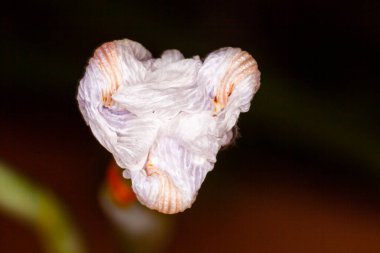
(38, 207)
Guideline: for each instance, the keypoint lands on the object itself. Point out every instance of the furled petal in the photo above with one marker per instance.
(165, 119)
(172, 177)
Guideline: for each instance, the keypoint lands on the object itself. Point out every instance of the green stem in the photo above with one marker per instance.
(40, 208)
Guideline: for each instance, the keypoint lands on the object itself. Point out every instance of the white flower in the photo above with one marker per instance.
(165, 119)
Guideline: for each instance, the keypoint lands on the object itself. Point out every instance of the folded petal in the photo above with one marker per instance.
(164, 120)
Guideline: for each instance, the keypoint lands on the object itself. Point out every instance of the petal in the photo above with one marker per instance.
(171, 179)
(165, 119)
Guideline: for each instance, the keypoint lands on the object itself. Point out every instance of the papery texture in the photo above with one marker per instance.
(165, 119)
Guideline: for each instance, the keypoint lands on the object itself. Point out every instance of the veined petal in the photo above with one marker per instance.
(171, 179)
(164, 120)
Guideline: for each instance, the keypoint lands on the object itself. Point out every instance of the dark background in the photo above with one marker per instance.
(305, 175)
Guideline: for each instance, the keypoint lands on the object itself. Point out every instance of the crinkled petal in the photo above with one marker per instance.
(164, 120)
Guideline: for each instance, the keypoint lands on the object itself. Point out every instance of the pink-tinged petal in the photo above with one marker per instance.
(164, 120)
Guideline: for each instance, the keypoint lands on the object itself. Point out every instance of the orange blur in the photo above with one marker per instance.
(119, 188)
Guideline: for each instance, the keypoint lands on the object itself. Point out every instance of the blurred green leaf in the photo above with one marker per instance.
(38, 207)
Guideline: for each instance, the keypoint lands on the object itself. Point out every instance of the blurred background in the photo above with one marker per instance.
(304, 176)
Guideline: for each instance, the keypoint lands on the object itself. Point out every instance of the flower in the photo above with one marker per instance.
(165, 119)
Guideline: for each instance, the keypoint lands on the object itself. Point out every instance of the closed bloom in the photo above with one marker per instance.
(165, 119)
